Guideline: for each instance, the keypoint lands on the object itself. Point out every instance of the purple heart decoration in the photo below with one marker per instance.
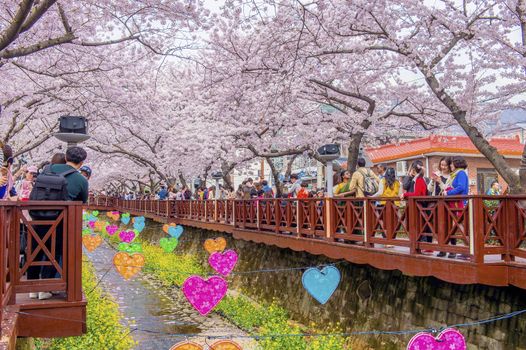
(111, 229)
(91, 224)
(203, 294)
(127, 236)
(223, 262)
(448, 339)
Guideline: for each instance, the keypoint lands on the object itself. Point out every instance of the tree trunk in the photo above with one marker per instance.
(484, 147)
(275, 178)
(183, 180)
(227, 181)
(354, 151)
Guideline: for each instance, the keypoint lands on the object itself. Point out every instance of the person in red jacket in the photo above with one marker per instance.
(418, 187)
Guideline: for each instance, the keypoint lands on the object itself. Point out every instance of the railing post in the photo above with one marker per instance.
(257, 213)
(476, 231)
(329, 211)
(299, 216)
(368, 222)
(412, 224)
(215, 211)
(234, 212)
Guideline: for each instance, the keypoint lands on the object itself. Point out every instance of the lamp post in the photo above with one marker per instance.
(329, 153)
(217, 175)
(72, 130)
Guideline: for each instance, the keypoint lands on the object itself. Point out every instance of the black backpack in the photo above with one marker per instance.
(49, 186)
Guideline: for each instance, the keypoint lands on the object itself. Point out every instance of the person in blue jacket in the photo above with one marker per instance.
(459, 181)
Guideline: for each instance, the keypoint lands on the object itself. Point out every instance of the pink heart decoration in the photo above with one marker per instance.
(91, 224)
(449, 339)
(223, 262)
(204, 295)
(111, 229)
(127, 236)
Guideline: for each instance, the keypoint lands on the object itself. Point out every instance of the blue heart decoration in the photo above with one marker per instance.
(175, 231)
(138, 225)
(321, 284)
(138, 219)
(125, 220)
(92, 218)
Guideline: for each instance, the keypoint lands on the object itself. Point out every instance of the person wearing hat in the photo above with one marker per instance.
(85, 171)
(27, 184)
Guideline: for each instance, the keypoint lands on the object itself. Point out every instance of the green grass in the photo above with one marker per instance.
(103, 320)
(260, 320)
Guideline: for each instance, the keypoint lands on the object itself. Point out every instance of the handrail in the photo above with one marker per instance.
(44, 237)
(466, 225)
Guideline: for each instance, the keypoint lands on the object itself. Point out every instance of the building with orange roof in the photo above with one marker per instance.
(431, 149)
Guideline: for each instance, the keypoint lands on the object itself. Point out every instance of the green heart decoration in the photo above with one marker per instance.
(130, 247)
(86, 231)
(168, 244)
(126, 215)
(95, 213)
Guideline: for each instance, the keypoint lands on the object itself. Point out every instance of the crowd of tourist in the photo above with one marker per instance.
(62, 178)
(449, 178)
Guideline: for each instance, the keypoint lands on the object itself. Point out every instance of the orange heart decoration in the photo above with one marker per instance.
(215, 245)
(167, 226)
(186, 345)
(225, 345)
(128, 265)
(91, 242)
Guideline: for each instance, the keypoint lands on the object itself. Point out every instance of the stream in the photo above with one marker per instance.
(156, 314)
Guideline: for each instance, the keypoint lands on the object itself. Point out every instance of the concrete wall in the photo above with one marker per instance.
(368, 298)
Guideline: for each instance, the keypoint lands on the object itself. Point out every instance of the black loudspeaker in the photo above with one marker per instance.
(331, 149)
(73, 125)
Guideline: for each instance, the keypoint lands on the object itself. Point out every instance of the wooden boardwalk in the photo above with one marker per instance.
(386, 235)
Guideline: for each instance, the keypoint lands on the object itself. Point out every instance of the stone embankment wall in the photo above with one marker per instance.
(368, 298)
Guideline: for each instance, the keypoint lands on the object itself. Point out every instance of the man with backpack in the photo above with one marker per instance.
(364, 182)
(57, 182)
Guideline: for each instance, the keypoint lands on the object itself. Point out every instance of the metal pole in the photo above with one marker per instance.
(217, 189)
(328, 175)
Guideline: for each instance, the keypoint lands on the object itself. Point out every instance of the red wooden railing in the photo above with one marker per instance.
(44, 238)
(485, 226)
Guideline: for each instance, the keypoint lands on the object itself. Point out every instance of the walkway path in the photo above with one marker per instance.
(146, 305)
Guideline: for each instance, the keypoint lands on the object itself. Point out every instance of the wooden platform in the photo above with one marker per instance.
(64, 314)
(350, 231)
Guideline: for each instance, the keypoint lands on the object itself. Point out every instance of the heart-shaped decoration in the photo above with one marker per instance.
(99, 226)
(128, 265)
(111, 229)
(91, 242)
(219, 345)
(138, 219)
(84, 216)
(448, 339)
(321, 284)
(175, 231)
(225, 345)
(204, 295)
(127, 236)
(114, 215)
(167, 226)
(186, 345)
(168, 244)
(215, 245)
(86, 231)
(139, 226)
(95, 213)
(224, 262)
(133, 247)
(125, 219)
(91, 224)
